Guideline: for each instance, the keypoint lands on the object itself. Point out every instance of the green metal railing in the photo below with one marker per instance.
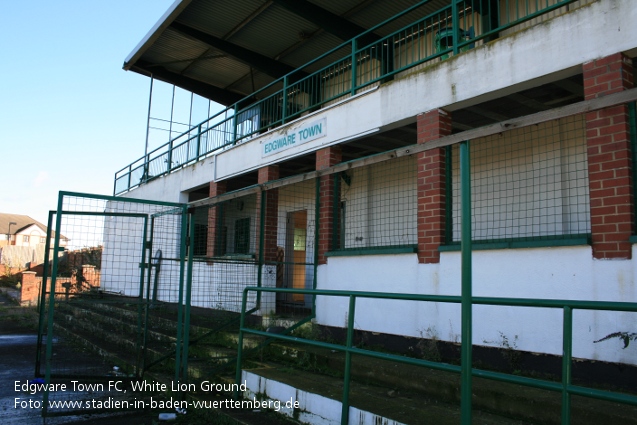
(565, 387)
(467, 301)
(344, 71)
(632, 122)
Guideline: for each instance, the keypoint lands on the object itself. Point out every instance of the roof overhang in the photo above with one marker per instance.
(151, 37)
(225, 50)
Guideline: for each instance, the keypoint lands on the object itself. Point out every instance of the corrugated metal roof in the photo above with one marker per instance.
(263, 27)
(273, 31)
(218, 17)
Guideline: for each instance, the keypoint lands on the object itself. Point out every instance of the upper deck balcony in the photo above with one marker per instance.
(276, 62)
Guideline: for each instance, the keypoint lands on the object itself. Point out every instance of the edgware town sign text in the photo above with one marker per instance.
(294, 137)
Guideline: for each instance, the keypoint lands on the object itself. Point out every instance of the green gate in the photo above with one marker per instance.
(112, 302)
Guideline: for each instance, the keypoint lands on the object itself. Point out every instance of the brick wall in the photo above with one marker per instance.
(325, 158)
(609, 158)
(431, 125)
(30, 284)
(30, 288)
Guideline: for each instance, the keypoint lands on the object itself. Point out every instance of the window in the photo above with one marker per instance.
(42, 239)
(25, 238)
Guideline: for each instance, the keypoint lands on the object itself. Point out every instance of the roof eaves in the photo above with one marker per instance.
(171, 14)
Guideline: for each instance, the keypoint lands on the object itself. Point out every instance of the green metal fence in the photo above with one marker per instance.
(427, 32)
(377, 207)
(466, 370)
(112, 298)
(529, 186)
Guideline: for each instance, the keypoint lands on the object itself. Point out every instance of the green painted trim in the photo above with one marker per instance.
(117, 199)
(466, 315)
(632, 121)
(381, 250)
(633, 239)
(539, 243)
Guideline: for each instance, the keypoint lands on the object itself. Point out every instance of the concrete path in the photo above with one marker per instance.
(18, 338)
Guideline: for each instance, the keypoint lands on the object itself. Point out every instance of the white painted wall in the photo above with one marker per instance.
(220, 286)
(550, 273)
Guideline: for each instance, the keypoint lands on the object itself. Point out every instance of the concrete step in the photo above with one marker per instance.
(288, 363)
(319, 401)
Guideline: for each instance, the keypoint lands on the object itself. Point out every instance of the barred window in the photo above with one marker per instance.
(527, 184)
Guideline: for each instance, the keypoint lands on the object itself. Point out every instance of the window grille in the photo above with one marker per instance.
(378, 205)
(527, 184)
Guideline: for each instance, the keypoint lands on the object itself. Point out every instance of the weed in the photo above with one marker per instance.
(509, 350)
(428, 344)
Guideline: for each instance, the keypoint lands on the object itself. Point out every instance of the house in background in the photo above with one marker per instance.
(22, 230)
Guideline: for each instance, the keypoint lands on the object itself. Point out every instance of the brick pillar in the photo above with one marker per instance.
(91, 275)
(609, 158)
(325, 158)
(266, 174)
(29, 288)
(431, 185)
(214, 213)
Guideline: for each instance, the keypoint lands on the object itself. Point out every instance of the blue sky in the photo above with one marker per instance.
(70, 116)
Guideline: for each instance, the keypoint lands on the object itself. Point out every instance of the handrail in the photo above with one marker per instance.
(566, 386)
(286, 98)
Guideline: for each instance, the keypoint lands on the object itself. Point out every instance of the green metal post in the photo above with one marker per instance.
(198, 142)
(336, 203)
(180, 310)
(448, 195)
(466, 296)
(567, 353)
(284, 103)
(455, 24)
(244, 302)
(348, 360)
(317, 215)
(49, 331)
(147, 168)
(235, 123)
(354, 67)
(632, 121)
(191, 245)
(169, 161)
(42, 297)
(261, 246)
(144, 307)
